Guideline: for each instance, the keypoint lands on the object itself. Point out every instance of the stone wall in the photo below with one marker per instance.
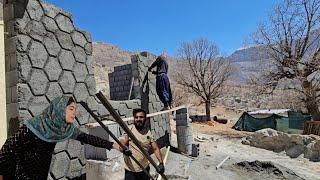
(120, 81)
(46, 56)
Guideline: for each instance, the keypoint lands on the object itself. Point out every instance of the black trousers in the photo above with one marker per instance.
(129, 175)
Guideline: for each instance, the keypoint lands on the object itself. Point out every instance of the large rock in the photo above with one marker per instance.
(293, 144)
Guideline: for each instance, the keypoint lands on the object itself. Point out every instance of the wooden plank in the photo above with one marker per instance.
(92, 125)
(124, 126)
(164, 160)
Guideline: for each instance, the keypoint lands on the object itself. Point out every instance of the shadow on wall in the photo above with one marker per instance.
(19, 7)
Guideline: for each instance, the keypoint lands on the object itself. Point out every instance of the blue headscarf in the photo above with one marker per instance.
(51, 125)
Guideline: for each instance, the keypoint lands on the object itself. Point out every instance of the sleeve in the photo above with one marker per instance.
(151, 137)
(93, 140)
(154, 64)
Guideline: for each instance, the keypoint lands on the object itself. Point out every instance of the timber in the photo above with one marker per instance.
(124, 126)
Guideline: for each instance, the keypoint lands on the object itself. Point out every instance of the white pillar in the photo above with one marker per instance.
(3, 114)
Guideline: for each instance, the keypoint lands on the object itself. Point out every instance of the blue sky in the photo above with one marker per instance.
(155, 26)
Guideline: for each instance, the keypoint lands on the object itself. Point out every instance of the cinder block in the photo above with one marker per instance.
(182, 111)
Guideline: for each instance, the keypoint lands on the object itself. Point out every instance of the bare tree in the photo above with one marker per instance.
(201, 71)
(292, 36)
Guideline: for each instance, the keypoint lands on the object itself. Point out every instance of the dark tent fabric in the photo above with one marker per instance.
(293, 124)
(250, 123)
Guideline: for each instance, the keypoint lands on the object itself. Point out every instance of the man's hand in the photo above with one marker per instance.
(127, 152)
(161, 168)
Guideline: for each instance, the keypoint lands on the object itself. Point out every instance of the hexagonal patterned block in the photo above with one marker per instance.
(24, 95)
(80, 72)
(79, 54)
(78, 38)
(66, 59)
(54, 91)
(51, 10)
(91, 84)
(34, 9)
(19, 23)
(67, 82)
(74, 148)
(24, 115)
(65, 40)
(82, 115)
(49, 24)
(64, 23)
(89, 65)
(38, 104)
(51, 44)
(37, 54)
(24, 66)
(80, 92)
(75, 169)
(22, 42)
(61, 146)
(92, 103)
(38, 82)
(53, 69)
(36, 30)
(60, 165)
(88, 48)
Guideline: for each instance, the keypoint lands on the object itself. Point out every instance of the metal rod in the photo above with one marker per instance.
(113, 136)
(132, 79)
(124, 126)
(220, 164)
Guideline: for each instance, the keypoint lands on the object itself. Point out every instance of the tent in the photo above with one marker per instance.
(292, 123)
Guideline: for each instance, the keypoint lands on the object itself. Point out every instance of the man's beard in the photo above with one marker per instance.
(139, 124)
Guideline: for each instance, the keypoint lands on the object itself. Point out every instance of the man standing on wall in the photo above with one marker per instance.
(162, 80)
(143, 134)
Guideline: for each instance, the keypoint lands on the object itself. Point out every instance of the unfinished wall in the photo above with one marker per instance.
(120, 82)
(46, 56)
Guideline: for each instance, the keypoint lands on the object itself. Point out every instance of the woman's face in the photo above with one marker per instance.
(71, 112)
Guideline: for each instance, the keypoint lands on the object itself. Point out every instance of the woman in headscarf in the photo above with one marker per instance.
(27, 154)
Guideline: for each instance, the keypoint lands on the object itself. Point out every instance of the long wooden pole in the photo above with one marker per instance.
(114, 137)
(164, 161)
(124, 126)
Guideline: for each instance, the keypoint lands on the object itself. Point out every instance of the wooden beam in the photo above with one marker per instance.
(93, 125)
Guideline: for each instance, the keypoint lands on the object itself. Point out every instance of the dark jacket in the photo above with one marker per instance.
(162, 65)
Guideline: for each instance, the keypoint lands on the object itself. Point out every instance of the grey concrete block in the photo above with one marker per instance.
(38, 82)
(64, 40)
(66, 59)
(24, 115)
(37, 54)
(89, 65)
(53, 69)
(75, 169)
(24, 67)
(49, 24)
(87, 35)
(80, 72)
(82, 115)
(61, 146)
(24, 94)
(60, 165)
(67, 82)
(74, 148)
(79, 54)
(54, 91)
(38, 104)
(182, 111)
(91, 84)
(36, 30)
(12, 110)
(78, 38)
(88, 48)
(22, 42)
(80, 92)
(64, 23)
(35, 10)
(51, 44)
(92, 103)
(50, 10)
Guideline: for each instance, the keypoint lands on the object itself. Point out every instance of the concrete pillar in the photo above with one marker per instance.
(3, 114)
(184, 131)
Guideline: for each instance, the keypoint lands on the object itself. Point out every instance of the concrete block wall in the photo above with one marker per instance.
(184, 131)
(46, 56)
(144, 88)
(120, 82)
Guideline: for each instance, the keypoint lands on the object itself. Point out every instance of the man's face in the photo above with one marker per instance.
(139, 120)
